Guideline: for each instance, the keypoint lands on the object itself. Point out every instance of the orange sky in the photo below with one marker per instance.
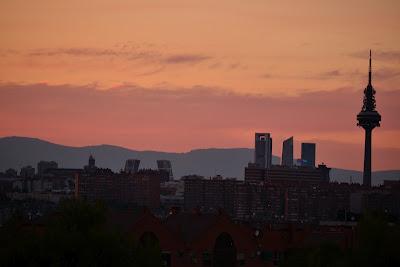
(176, 75)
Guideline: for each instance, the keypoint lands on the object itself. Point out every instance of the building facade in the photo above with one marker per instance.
(132, 166)
(308, 154)
(141, 188)
(166, 166)
(27, 172)
(42, 166)
(287, 152)
(263, 150)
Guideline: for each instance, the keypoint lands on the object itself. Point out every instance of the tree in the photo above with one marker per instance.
(75, 235)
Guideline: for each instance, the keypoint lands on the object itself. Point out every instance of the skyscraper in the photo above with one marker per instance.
(132, 165)
(165, 165)
(308, 154)
(368, 118)
(263, 150)
(287, 152)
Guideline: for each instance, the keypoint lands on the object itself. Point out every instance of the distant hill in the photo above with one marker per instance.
(378, 177)
(16, 152)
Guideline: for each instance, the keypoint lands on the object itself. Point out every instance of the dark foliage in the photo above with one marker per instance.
(378, 245)
(76, 235)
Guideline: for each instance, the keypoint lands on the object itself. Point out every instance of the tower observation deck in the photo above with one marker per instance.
(368, 118)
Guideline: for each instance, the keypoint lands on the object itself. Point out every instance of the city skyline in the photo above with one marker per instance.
(200, 133)
(149, 76)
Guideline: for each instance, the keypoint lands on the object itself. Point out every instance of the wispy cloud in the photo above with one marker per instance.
(151, 72)
(390, 56)
(331, 74)
(78, 52)
(8, 52)
(266, 76)
(185, 59)
(382, 74)
(125, 53)
(318, 76)
(386, 74)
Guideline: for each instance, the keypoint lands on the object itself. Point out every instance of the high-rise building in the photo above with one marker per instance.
(308, 154)
(287, 152)
(166, 166)
(368, 118)
(263, 150)
(132, 165)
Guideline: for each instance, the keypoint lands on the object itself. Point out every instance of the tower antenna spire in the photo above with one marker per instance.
(368, 118)
(370, 68)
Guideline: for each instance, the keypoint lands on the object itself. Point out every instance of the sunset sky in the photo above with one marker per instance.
(175, 75)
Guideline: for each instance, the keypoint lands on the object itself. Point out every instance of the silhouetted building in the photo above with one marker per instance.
(165, 165)
(42, 166)
(276, 194)
(386, 200)
(172, 195)
(132, 165)
(91, 167)
(284, 193)
(281, 174)
(368, 118)
(6, 184)
(287, 152)
(141, 188)
(263, 150)
(11, 173)
(27, 172)
(253, 173)
(92, 162)
(63, 172)
(308, 154)
(193, 192)
(287, 175)
(392, 184)
(302, 202)
(209, 195)
(241, 201)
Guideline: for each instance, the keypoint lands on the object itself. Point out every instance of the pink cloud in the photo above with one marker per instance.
(174, 119)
